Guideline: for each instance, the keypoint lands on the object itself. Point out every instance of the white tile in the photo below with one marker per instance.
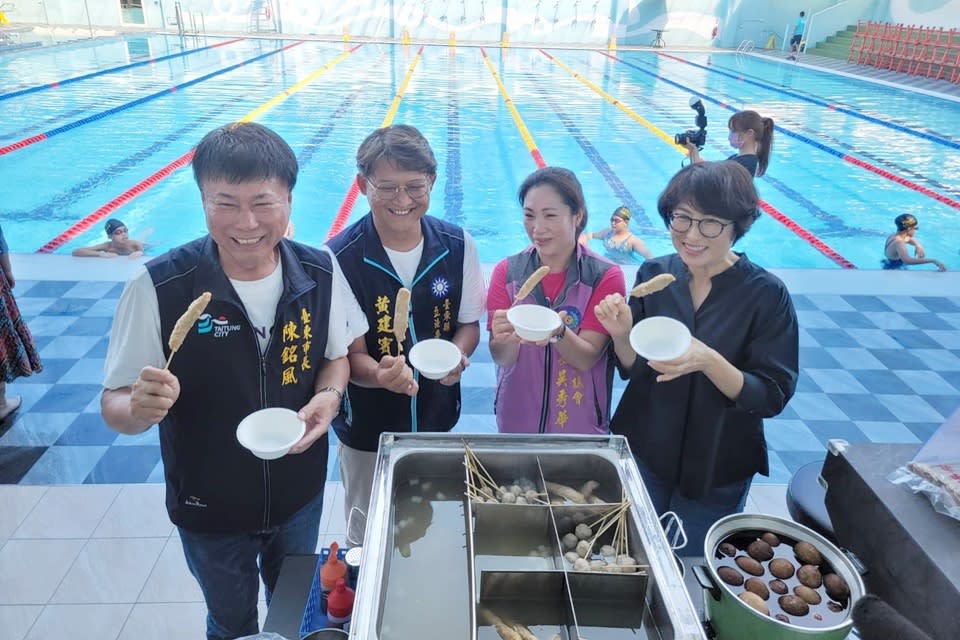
(771, 499)
(170, 580)
(15, 503)
(16, 620)
(164, 621)
(330, 491)
(111, 570)
(68, 512)
(138, 512)
(32, 569)
(80, 621)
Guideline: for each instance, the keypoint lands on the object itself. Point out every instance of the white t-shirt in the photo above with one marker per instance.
(473, 300)
(135, 340)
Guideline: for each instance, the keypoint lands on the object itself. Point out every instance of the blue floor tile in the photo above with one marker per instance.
(855, 358)
(69, 307)
(124, 464)
(33, 429)
(816, 406)
(938, 304)
(807, 384)
(915, 340)
(48, 289)
(908, 408)
(92, 289)
(836, 381)
(829, 302)
(859, 407)
(50, 325)
(825, 430)
(898, 359)
(953, 377)
(53, 370)
(789, 435)
(64, 465)
(476, 399)
(88, 326)
(882, 381)
(15, 462)
(779, 473)
(88, 429)
(926, 382)
(68, 346)
(115, 291)
(866, 303)
(99, 349)
(815, 320)
(818, 358)
(945, 405)
(927, 321)
(85, 370)
(796, 459)
(889, 320)
(938, 359)
(67, 397)
(923, 430)
(850, 319)
(803, 303)
(887, 432)
(874, 339)
(832, 338)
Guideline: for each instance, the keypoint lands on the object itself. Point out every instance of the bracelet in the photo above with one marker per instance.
(557, 337)
(332, 390)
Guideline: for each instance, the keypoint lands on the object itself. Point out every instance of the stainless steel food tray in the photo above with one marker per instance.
(427, 552)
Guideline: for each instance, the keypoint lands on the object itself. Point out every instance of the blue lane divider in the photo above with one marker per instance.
(123, 107)
(822, 103)
(87, 76)
(453, 189)
(621, 191)
(835, 103)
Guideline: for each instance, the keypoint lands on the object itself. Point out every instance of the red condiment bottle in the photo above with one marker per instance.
(340, 604)
(332, 570)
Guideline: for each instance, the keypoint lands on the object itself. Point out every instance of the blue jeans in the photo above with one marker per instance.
(229, 567)
(697, 516)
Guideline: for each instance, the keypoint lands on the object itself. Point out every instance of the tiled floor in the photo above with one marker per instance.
(86, 549)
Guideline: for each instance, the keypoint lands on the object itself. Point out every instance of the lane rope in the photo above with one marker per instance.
(822, 103)
(517, 120)
(26, 142)
(777, 215)
(180, 162)
(59, 83)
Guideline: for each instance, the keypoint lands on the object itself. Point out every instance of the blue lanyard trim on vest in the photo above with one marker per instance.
(429, 266)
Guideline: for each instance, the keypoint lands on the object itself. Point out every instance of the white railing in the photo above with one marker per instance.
(827, 22)
(745, 47)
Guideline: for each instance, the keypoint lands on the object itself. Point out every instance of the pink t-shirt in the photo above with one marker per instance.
(611, 282)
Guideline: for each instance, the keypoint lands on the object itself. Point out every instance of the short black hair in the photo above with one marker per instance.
(244, 151)
(401, 145)
(565, 183)
(722, 189)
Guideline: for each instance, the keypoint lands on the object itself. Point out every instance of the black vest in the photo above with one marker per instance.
(434, 305)
(213, 483)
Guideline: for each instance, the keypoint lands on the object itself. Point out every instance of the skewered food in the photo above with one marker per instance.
(654, 284)
(401, 317)
(184, 322)
(531, 283)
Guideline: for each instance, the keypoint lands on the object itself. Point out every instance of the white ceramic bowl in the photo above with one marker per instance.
(533, 322)
(660, 338)
(435, 358)
(269, 433)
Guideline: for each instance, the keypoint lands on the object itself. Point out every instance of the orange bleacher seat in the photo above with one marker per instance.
(942, 57)
(859, 38)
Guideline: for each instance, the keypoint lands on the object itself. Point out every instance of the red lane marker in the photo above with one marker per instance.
(340, 221)
(806, 235)
(20, 144)
(115, 204)
(939, 197)
(538, 158)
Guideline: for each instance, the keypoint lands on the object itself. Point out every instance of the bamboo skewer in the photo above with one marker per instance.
(184, 322)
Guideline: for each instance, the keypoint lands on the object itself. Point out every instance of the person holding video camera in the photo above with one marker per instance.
(751, 135)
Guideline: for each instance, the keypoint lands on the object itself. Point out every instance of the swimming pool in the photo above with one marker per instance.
(849, 155)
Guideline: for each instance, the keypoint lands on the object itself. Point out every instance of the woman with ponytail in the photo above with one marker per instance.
(752, 136)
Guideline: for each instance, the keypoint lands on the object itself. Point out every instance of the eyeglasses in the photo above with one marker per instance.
(708, 227)
(414, 191)
(118, 230)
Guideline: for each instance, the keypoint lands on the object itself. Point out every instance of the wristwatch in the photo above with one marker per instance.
(333, 390)
(557, 337)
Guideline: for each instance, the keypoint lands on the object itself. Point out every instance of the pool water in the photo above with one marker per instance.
(611, 129)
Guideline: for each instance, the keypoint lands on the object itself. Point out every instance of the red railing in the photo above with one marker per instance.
(933, 52)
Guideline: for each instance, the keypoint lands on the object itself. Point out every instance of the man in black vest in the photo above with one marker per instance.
(270, 337)
(397, 245)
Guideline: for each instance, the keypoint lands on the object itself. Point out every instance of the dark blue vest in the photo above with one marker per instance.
(213, 483)
(434, 305)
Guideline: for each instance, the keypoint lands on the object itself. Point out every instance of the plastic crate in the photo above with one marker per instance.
(314, 617)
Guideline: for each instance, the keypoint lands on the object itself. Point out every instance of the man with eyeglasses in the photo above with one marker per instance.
(695, 423)
(398, 245)
(119, 243)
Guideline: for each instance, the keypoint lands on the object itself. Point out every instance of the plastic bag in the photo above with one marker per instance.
(264, 636)
(935, 469)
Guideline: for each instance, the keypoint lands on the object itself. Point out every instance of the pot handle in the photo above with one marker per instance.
(706, 581)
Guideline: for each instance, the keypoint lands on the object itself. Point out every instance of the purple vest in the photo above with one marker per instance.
(540, 392)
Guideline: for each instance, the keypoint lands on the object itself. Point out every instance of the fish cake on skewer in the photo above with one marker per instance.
(401, 317)
(654, 284)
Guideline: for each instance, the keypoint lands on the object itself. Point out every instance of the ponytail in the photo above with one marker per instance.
(765, 146)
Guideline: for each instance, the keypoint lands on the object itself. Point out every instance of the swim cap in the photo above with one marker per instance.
(622, 212)
(112, 225)
(905, 221)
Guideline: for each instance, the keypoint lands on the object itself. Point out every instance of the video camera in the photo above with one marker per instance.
(697, 137)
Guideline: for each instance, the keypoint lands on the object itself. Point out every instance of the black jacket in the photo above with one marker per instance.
(213, 483)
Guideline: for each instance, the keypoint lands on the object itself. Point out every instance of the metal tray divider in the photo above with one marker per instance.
(468, 528)
(571, 609)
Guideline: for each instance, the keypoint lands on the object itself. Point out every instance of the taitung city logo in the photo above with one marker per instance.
(219, 327)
